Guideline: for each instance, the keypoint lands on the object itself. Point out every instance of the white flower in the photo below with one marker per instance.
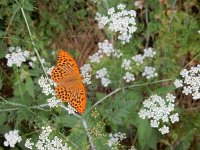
(117, 53)
(29, 144)
(114, 139)
(120, 20)
(164, 129)
(46, 85)
(121, 6)
(101, 73)
(129, 77)
(149, 53)
(159, 111)
(85, 72)
(53, 102)
(105, 48)
(105, 82)
(12, 138)
(16, 56)
(132, 148)
(70, 109)
(190, 82)
(49, 70)
(46, 143)
(138, 4)
(174, 118)
(95, 57)
(178, 83)
(139, 59)
(149, 72)
(111, 11)
(126, 64)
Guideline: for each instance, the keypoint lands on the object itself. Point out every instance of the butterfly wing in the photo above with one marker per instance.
(75, 96)
(64, 59)
(70, 87)
(66, 65)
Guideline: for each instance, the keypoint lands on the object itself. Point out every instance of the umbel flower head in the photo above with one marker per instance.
(190, 82)
(16, 56)
(119, 20)
(159, 111)
(12, 138)
(46, 143)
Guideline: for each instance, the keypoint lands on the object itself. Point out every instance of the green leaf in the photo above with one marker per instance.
(30, 87)
(3, 118)
(146, 135)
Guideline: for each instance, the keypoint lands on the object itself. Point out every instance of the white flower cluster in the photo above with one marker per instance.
(16, 56)
(119, 20)
(190, 82)
(114, 139)
(104, 48)
(53, 102)
(46, 85)
(70, 109)
(148, 53)
(103, 75)
(126, 64)
(85, 72)
(149, 72)
(129, 77)
(159, 111)
(44, 143)
(12, 137)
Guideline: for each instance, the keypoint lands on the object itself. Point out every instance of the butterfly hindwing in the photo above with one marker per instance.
(78, 100)
(75, 96)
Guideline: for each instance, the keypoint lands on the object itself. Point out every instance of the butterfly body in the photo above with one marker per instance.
(69, 82)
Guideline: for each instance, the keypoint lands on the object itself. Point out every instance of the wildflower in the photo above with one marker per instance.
(159, 111)
(190, 82)
(114, 139)
(129, 77)
(16, 56)
(53, 102)
(149, 72)
(95, 58)
(103, 75)
(29, 144)
(12, 137)
(148, 52)
(164, 129)
(138, 4)
(49, 70)
(45, 143)
(85, 72)
(70, 109)
(46, 85)
(105, 47)
(105, 82)
(139, 59)
(126, 64)
(178, 83)
(119, 20)
(117, 53)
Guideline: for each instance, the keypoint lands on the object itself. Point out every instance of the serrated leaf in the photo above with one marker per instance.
(30, 87)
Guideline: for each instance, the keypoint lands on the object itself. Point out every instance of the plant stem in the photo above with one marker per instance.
(32, 41)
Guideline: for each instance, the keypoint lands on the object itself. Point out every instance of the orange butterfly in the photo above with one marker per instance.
(69, 82)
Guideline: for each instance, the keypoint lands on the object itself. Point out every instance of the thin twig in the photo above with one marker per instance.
(171, 18)
(32, 41)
